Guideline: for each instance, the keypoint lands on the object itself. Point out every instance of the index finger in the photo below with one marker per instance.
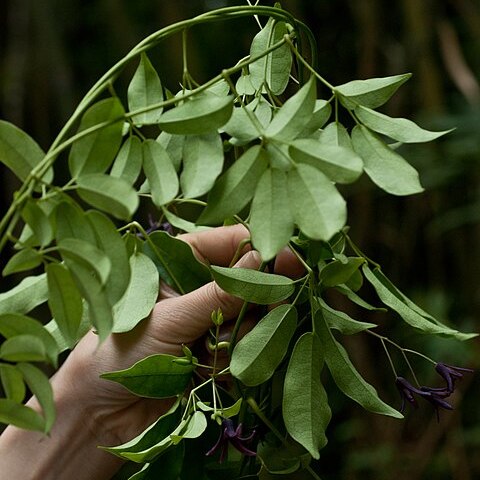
(218, 245)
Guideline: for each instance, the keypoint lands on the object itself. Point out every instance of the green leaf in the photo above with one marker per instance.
(173, 144)
(235, 187)
(95, 152)
(84, 327)
(274, 68)
(339, 164)
(167, 467)
(99, 308)
(244, 85)
(370, 93)
(23, 348)
(337, 272)
(19, 152)
(13, 413)
(347, 378)
(305, 405)
(160, 173)
(195, 426)
(335, 134)
(202, 163)
(321, 113)
(142, 448)
(156, 376)
(351, 295)
(12, 382)
(197, 116)
(319, 210)
(65, 301)
(400, 129)
(295, 114)
(145, 89)
(109, 241)
(70, 222)
(271, 222)
(88, 255)
(182, 224)
(28, 294)
(243, 125)
(128, 162)
(23, 260)
(342, 322)
(39, 385)
(175, 261)
(258, 354)
(387, 169)
(408, 314)
(140, 296)
(15, 324)
(38, 221)
(253, 286)
(110, 194)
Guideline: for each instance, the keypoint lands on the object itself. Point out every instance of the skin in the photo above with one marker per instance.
(92, 411)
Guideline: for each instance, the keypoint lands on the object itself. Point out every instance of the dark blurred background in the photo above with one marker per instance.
(52, 51)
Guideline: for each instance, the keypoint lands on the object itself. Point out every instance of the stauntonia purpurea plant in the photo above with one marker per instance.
(253, 145)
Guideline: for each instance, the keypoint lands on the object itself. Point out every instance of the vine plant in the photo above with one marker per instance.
(252, 145)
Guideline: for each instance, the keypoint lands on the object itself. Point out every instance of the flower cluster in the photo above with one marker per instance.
(435, 395)
(234, 436)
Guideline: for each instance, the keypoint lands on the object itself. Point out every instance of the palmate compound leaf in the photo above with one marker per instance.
(386, 168)
(318, 208)
(272, 69)
(19, 152)
(160, 173)
(95, 152)
(235, 187)
(345, 375)
(305, 405)
(258, 354)
(198, 116)
(156, 376)
(295, 114)
(370, 93)
(339, 164)
(271, 222)
(140, 296)
(409, 312)
(145, 89)
(65, 301)
(253, 286)
(202, 163)
(400, 129)
(109, 194)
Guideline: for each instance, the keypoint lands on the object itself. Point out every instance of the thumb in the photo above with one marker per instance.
(186, 318)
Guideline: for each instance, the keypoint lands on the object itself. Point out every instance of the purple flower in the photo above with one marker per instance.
(231, 435)
(436, 396)
(451, 373)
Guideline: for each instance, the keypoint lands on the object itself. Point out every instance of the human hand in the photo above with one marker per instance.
(95, 411)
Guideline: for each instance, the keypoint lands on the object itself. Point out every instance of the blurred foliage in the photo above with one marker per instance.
(52, 51)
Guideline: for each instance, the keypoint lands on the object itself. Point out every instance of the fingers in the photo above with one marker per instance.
(217, 246)
(286, 263)
(186, 318)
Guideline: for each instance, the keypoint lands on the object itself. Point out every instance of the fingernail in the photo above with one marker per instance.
(251, 259)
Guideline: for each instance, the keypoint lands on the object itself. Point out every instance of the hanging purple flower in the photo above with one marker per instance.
(231, 435)
(451, 374)
(436, 396)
